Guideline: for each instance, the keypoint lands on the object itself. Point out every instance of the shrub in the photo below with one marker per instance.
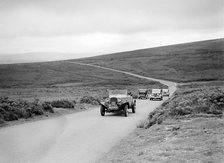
(29, 112)
(11, 117)
(37, 110)
(4, 99)
(47, 107)
(20, 112)
(188, 102)
(196, 101)
(88, 100)
(62, 104)
(11, 110)
(1, 121)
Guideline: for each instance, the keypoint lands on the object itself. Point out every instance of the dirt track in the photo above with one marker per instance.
(79, 137)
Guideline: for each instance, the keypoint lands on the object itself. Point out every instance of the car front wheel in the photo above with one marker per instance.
(126, 110)
(102, 110)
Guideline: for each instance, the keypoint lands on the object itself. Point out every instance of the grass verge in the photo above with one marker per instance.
(192, 102)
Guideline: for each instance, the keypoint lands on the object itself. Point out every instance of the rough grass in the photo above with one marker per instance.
(71, 93)
(62, 74)
(191, 140)
(192, 102)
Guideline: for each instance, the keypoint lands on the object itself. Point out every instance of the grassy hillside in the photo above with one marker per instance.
(62, 80)
(59, 74)
(197, 61)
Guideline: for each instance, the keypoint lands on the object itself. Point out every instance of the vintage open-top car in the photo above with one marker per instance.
(166, 92)
(143, 94)
(118, 101)
(156, 94)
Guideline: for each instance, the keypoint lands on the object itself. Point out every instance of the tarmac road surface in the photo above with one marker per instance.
(81, 137)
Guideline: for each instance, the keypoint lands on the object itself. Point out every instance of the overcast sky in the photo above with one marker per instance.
(104, 26)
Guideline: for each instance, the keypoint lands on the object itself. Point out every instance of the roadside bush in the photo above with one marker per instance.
(10, 116)
(1, 121)
(20, 112)
(88, 100)
(62, 104)
(205, 101)
(188, 102)
(37, 110)
(47, 107)
(11, 110)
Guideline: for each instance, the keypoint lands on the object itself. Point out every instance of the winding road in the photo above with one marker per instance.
(82, 137)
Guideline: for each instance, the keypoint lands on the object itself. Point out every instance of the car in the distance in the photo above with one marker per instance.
(156, 94)
(143, 94)
(166, 92)
(118, 101)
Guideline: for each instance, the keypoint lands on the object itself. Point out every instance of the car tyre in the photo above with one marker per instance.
(102, 110)
(133, 107)
(126, 110)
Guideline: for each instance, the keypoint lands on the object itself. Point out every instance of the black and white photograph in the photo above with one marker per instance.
(111, 81)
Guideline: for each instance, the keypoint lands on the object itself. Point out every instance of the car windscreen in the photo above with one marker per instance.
(141, 91)
(156, 91)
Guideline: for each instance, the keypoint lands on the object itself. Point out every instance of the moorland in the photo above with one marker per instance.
(188, 124)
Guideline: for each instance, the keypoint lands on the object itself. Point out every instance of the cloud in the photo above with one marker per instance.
(50, 18)
(104, 24)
